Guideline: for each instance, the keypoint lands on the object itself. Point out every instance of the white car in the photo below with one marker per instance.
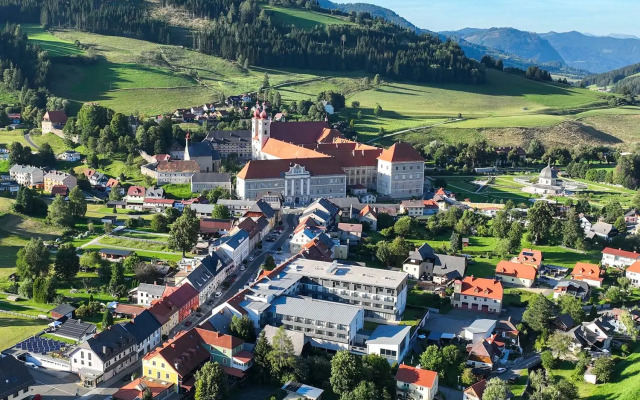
(242, 268)
(250, 259)
(500, 370)
(218, 294)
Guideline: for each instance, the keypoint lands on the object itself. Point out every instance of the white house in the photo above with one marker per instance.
(103, 356)
(390, 342)
(618, 258)
(633, 274)
(236, 246)
(69, 155)
(415, 383)
(146, 293)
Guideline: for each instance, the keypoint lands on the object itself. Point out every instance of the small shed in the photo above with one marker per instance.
(465, 242)
(63, 310)
(114, 254)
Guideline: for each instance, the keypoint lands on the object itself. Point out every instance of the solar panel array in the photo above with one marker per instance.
(40, 345)
(73, 329)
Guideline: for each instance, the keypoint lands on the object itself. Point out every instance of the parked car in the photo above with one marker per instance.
(242, 268)
(501, 370)
(250, 259)
(218, 294)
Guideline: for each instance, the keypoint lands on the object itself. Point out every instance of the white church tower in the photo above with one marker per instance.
(260, 131)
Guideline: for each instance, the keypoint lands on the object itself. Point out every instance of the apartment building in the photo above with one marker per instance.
(478, 294)
(325, 324)
(381, 293)
(618, 258)
(58, 178)
(26, 175)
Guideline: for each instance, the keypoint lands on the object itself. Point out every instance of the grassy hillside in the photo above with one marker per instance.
(140, 76)
(52, 44)
(302, 19)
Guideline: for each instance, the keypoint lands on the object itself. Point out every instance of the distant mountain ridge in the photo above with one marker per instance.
(567, 52)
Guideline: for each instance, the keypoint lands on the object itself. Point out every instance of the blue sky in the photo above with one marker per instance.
(599, 17)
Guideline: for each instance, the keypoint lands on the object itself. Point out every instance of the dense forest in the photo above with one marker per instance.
(123, 18)
(247, 33)
(612, 77)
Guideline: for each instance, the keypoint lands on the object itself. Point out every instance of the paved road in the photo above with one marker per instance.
(27, 137)
(244, 277)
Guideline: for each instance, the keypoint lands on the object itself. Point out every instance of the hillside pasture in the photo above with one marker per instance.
(55, 46)
(15, 329)
(303, 19)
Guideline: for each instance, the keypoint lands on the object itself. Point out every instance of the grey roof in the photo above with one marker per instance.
(331, 208)
(389, 334)
(115, 252)
(548, 173)
(142, 326)
(453, 267)
(481, 325)
(200, 149)
(154, 192)
(236, 203)
(565, 320)
(576, 286)
(297, 338)
(22, 169)
(75, 329)
(116, 339)
(63, 309)
(347, 202)
(422, 253)
(153, 290)
(263, 207)
(237, 238)
(603, 228)
(201, 276)
(14, 376)
(319, 310)
(202, 208)
(221, 321)
(211, 177)
(229, 136)
(347, 273)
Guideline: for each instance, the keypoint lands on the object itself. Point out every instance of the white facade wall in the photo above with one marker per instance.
(401, 180)
(634, 277)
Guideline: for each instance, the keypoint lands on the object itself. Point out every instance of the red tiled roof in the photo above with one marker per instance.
(532, 256)
(162, 310)
(278, 148)
(316, 250)
(481, 287)
(621, 253)
(265, 169)
(416, 376)
(162, 157)
(218, 339)
(329, 135)
(183, 352)
(401, 152)
(159, 201)
(298, 132)
(136, 191)
(430, 203)
(244, 356)
(128, 309)
(350, 227)
(523, 271)
(583, 271)
(132, 390)
(635, 267)
(112, 182)
(366, 210)
(57, 117)
(477, 389)
(183, 295)
(213, 225)
(59, 190)
(178, 166)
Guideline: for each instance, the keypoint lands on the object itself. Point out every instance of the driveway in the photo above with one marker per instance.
(27, 137)
(452, 322)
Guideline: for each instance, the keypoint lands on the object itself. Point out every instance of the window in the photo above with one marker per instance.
(166, 376)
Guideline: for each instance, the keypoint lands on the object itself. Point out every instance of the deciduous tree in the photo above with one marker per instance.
(59, 213)
(220, 212)
(33, 259)
(345, 372)
(211, 382)
(77, 202)
(496, 389)
(67, 263)
(184, 232)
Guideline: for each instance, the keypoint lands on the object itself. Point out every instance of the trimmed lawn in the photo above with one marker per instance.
(149, 255)
(179, 191)
(8, 137)
(58, 338)
(14, 330)
(134, 244)
(147, 236)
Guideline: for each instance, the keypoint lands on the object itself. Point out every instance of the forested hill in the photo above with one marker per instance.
(245, 31)
(374, 10)
(624, 80)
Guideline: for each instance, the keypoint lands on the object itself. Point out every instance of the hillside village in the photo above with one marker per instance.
(279, 261)
(251, 200)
